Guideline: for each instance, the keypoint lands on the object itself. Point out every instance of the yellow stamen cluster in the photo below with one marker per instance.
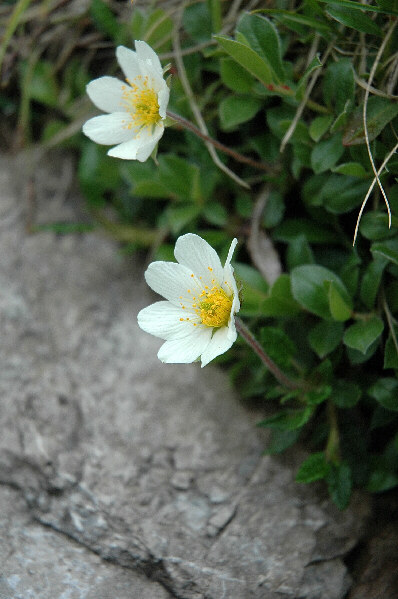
(215, 308)
(212, 306)
(141, 101)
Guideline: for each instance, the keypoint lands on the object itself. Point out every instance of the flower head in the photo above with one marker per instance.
(197, 320)
(136, 108)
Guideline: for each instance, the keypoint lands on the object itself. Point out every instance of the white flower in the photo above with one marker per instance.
(198, 317)
(136, 109)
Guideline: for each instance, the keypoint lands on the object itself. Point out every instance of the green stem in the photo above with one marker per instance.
(125, 233)
(18, 11)
(266, 360)
(236, 155)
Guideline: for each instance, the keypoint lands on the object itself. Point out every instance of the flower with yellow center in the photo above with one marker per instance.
(197, 318)
(136, 108)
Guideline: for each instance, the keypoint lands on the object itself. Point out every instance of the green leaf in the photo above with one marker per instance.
(235, 110)
(374, 226)
(346, 394)
(388, 4)
(391, 352)
(325, 337)
(280, 301)
(214, 7)
(354, 19)
(61, 228)
(297, 22)
(318, 396)
(313, 66)
(362, 334)
(326, 153)
(288, 420)
(315, 467)
(250, 276)
(385, 391)
(104, 19)
(197, 22)
(371, 281)
(278, 346)
(281, 440)
(274, 210)
(310, 291)
(351, 169)
(290, 229)
(216, 214)
(386, 249)
(151, 189)
(180, 177)
(179, 216)
(235, 77)
(341, 194)
(319, 126)
(158, 30)
(341, 119)
(379, 113)
(358, 357)
(263, 38)
(43, 85)
(339, 481)
(339, 85)
(247, 58)
(339, 308)
(299, 252)
(382, 480)
(255, 288)
(359, 6)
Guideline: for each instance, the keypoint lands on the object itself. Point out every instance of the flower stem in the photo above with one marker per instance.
(236, 155)
(266, 360)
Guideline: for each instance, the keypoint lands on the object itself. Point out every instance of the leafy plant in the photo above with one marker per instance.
(309, 96)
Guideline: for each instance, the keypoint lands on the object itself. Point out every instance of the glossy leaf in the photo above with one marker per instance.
(354, 19)
(362, 334)
(310, 288)
(385, 391)
(263, 38)
(247, 58)
(380, 112)
(325, 337)
(315, 467)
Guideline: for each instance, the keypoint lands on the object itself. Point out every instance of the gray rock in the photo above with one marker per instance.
(156, 468)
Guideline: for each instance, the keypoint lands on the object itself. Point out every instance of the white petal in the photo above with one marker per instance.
(186, 350)
(172, 281)
(229, 283)
(148, 56)
(232, 247)
(141, 147)
(195, 253)
(128, 62)
(163, 320)
(145, 150)
(106, 93)
(220, 343)
(230, 287)
(231, 333)
(108, 129)
(163, 99)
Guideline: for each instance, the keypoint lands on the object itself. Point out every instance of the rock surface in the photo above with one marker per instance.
(107, 455)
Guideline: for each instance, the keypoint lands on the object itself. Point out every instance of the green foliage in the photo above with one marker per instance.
(330, 320)
(315, 467)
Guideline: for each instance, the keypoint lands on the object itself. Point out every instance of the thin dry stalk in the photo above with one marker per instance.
(194, 107)
(365, 124)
